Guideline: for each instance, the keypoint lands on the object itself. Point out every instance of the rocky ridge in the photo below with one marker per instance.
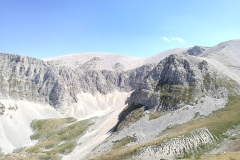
(35, 80)
(177, 81)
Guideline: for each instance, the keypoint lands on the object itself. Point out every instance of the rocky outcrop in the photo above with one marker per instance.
(29, 78)
(91, 64)
(195, 51)
(118, 67)
(177, 81)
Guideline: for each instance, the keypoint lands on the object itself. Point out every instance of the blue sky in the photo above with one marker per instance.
(141, 28)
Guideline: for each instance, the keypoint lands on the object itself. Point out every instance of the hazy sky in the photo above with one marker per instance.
(49, 28)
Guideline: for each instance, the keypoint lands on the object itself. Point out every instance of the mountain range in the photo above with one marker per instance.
(179, 104)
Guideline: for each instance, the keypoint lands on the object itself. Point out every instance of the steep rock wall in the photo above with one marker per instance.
(26, 78)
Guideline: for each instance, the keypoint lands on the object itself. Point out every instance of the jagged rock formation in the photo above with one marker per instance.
(91, 64)
(31, 79)
(35, 80)
(118, 66)
(195, 51)
(175, 82)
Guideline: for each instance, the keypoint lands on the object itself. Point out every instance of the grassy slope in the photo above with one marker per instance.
(124, 141)
(56, 137)
(218, 123)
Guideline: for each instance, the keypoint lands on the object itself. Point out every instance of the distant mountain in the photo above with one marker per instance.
(108, 61)
(180, 103)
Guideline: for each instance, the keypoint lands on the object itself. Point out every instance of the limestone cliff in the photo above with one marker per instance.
(36, 80)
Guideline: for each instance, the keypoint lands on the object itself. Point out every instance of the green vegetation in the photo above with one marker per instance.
(124, 141)
(172, 95)
(196, 115)
(136, 115)
(155, 115)
(222, 156)
(226, 118)
(47, 128)
(229, 84)
(207, 81)
(55, 137)
(1, 153)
